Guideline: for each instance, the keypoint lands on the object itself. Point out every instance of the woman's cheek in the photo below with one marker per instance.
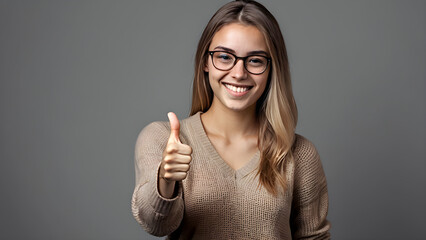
(216, 77)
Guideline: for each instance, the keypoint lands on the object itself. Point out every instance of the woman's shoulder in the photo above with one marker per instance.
(154, 133)
(154, 129)
(160, 130)
(309, 176)
(305, 154)
(303, 147)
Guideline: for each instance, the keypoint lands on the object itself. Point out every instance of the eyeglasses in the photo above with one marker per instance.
(254, 64)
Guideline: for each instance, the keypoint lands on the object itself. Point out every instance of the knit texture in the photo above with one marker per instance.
(218, 202)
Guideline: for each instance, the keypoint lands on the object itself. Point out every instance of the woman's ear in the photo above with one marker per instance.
(206, 67)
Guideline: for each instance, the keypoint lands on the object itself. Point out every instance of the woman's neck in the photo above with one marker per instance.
(228, 123)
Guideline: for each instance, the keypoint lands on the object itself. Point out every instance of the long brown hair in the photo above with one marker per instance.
(276, 108)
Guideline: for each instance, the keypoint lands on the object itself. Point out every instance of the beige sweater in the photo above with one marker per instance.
(217, 202)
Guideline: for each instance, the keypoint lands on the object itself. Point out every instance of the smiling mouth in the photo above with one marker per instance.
(237, 89)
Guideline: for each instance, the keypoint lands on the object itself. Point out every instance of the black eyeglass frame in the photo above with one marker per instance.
(242, 58)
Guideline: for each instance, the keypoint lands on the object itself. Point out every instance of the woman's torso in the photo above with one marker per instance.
(221, 192)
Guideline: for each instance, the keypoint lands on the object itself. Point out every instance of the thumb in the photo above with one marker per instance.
(174, 127)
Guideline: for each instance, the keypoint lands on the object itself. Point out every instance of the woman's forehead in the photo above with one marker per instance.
(240, 38)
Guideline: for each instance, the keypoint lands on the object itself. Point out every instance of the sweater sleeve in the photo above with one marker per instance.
(310, 195)
(159, 216)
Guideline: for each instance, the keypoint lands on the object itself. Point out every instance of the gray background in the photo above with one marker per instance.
(80, 79)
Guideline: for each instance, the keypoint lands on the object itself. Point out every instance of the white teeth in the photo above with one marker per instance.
(236, 89)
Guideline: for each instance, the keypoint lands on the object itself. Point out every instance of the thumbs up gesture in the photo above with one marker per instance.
(176, 155)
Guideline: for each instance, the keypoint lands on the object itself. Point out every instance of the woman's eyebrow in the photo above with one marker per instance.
(257, 52)
(225, 49)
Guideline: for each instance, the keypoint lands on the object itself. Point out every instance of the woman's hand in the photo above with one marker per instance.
(176, 158)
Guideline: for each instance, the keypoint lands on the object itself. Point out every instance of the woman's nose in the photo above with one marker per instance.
(239, 71)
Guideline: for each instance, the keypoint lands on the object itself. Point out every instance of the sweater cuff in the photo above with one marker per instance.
(159, 203)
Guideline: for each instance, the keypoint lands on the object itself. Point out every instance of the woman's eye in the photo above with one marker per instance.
(224, 57)
(256, 60)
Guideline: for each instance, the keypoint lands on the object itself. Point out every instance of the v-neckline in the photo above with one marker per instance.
(215, 156)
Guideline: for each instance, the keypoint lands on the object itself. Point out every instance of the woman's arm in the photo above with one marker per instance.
(310, 195)
(159, 216)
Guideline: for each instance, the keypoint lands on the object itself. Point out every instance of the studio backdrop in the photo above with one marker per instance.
(80, 79)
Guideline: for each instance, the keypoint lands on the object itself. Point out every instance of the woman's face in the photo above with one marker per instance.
(237, 89)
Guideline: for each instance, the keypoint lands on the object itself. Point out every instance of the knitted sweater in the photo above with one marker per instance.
(217, 202)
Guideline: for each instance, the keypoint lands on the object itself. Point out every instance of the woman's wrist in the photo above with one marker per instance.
(166, 188)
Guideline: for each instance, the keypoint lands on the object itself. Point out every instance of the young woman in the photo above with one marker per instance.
(234, 169)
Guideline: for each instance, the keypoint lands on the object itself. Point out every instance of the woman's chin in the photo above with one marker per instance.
(239, 107)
